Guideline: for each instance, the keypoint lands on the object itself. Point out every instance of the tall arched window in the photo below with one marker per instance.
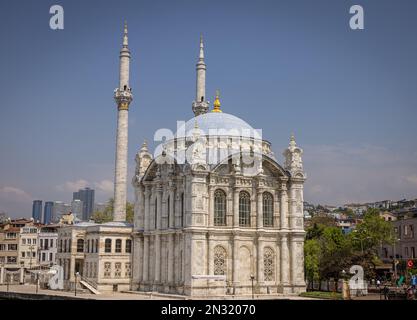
(80, 245)
(128, 246)
(65, 246)
(220, 261)
(244, 209)
(119, 245)
(269, 265)
(107, 245)
(219, 208)
(268, 209)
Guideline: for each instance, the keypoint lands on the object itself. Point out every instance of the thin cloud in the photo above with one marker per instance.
(71, 186)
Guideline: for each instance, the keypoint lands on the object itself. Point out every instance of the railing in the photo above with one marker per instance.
(90, 282)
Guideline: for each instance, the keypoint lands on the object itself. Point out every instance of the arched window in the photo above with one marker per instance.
(268, 209)
(219, 208)
(65, 246)
(128, 246)
(182, 210)
(107, 245)
(96, 246)
(60, 246)
(269, 265)
(80, 245)
(88, 246)
(118, 245)
(244, 209)
(220, 261)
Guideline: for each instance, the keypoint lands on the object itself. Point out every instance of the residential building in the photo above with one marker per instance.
(28, 246)
(47, 244)
(406, 244)
(10, 232)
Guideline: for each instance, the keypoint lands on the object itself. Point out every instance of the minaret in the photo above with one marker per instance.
(123, 97)
(201, 105)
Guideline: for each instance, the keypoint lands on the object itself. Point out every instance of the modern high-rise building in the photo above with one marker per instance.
(37, 210)
(87, 197)
(47, 212)
(77, 208)
(60, 208)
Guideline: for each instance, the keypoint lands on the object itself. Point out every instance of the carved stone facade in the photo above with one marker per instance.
(193, 221)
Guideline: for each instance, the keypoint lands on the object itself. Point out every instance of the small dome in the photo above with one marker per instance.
(218, 124)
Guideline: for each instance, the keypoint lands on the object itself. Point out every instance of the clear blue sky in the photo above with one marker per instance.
(283, 66)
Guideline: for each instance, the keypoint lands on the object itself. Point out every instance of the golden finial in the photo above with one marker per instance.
(216, 103)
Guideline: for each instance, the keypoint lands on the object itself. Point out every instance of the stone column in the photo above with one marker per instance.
(177, 259)
(293, 206)
(171, 259)
(145, 258)
(210, 221)
(171, 208)
(259, 211)
(293, 264)
(147, 208)
(22, 275)
(235, 273)
(285, 261)
(284, 206)
(157, 258)
(177, 223)
(1, 275)
(159, 208)
(236, 208)
(260, 260)
(210, 255)
(138, 256)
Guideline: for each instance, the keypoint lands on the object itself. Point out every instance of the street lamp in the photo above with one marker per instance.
(252, 277)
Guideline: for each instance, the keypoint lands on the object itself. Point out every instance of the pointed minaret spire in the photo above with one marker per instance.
(200, 105)
(201, 56)
(125, 37)
(123, 97)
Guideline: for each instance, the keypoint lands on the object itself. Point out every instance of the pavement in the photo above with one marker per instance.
(30, 289)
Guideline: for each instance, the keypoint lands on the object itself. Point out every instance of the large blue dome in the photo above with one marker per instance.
(218, 124)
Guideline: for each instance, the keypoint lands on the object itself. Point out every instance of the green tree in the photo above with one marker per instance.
(107, 214)
(312, 259)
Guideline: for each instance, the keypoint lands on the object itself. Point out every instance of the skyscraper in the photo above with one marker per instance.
(59, 208)
(77, 208)
(87, 197)
(37, 210)
(47, 212)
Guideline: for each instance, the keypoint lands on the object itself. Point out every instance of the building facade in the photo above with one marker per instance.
(99, 253)
(48, 212)
(87, 197)
(406, 241)
(47, 245)
(207, 221)
(37, 210)
(28, 246)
